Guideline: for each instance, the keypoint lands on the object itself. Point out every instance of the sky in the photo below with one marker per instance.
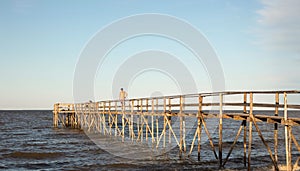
(42, 41)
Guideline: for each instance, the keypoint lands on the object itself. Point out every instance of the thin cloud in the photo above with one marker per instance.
(279, 25)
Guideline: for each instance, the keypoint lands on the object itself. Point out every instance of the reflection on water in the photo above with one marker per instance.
(28, 141)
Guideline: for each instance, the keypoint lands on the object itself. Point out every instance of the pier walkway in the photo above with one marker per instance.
(160, 120)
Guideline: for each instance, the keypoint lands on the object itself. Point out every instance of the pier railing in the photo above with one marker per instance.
(150, 120)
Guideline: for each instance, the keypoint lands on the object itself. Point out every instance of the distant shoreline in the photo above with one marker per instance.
(9, 110)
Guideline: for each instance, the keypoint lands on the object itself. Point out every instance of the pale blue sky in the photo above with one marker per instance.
(257, 43)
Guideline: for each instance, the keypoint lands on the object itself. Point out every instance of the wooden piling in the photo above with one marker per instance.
(109, 117)
(157, 126)
(165, 123)
(123, 123)
(287, 137)
(250, 131)
(116, 119)
(55, 115)
(147, 110)
(141, 120)
(183, 134)
(180, 127)
(276, 128)
(245, 130)
(170, 121)
(220, 129)
(199, 130)
(152, 119)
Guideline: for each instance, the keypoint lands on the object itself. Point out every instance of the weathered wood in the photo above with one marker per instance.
(180, 127)
(245, 142)
(220, 130)
(208, 135)
(183, 134)
(146, 120)
(199, 130)
(234, 142)
(152, 119)
(276, 128)
(245, 131)
(116, 120)
(265, 143)
(290, 165)
(250, 131)
(295, 141)
(170, 128)
(287, 137)
(157, 126)
(165, 111)
(102, 117)
(169, 120)
(141, 121)
(192, 145)
(123, 125)
(109, 117)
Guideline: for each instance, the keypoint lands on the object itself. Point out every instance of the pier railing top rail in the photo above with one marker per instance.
(211, 94)
(267, 100)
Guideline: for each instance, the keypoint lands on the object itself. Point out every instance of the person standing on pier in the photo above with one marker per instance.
(122, 96)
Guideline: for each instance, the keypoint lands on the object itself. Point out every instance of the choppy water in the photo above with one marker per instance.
(29, 142)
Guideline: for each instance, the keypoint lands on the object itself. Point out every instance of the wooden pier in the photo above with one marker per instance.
(149, 120)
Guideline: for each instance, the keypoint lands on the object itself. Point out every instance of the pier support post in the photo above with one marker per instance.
(220, 129)
(250, 131)
(116, 119)
(55, 115)
(180, 127)
(141, 120)
(245, 130)
(287, 136)
(152, 119)
(165, 112)
(276, 128)
(132, 124)
(199, 125)
(157, 126)
(170, 121)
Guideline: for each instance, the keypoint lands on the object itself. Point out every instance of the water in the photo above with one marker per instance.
(29, 142)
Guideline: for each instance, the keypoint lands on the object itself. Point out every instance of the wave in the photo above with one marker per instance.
(34, 155)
